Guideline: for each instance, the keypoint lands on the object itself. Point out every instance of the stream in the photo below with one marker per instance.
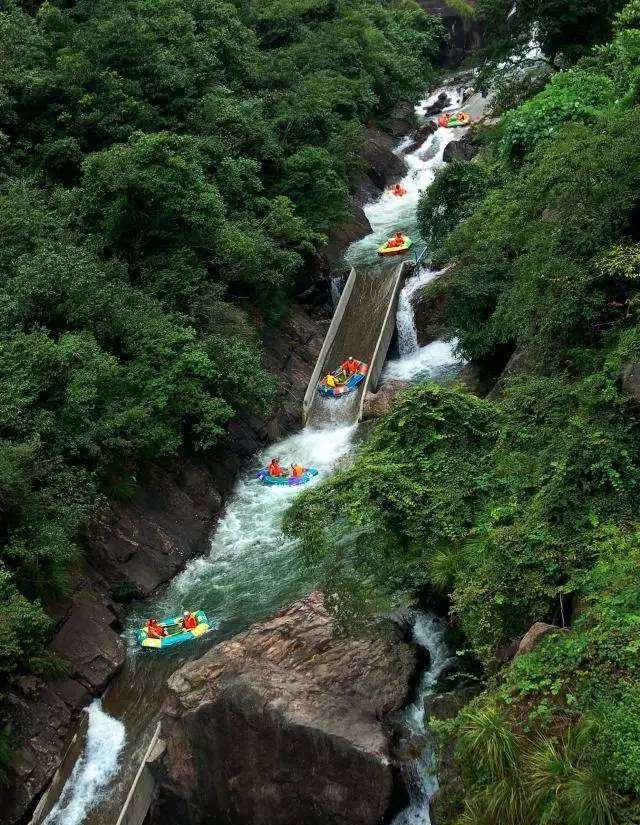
(252, 569)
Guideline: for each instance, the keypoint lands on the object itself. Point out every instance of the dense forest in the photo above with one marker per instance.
(167, 170)
(523, 506)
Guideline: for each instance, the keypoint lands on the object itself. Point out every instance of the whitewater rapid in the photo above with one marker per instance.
(98, 764)
(252, 568)
(427, 633)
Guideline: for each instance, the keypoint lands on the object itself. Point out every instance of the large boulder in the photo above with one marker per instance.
(379, 403)
(88, 641)
(438, 105)
(462, 35)
(43, 719)
(535, 634)
(429, 306)
(465, 148)
(420, 136)
(283, 725)
(380, 162)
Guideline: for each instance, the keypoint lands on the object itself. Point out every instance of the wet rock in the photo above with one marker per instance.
(290, 353)
(379, 403)
(42, 724)
(438, 105)
(381, 164)
(139, 545)
(420, 136)
(356, 226)
(463, 149)
(429, 308)
(283, 725)
(536, 632)
(447, 705)
(88, 642)
(403, 118)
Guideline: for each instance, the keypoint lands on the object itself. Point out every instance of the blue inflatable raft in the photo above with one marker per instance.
(352, 383)
(176, 634)
(286, 481)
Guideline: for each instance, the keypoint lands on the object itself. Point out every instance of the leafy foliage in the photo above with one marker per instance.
(523, 506)
(167, 171)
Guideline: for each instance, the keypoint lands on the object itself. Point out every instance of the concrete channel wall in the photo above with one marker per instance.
(71, 756)
(379, 357)
(140, 796)
(328, 341)
(362, 327)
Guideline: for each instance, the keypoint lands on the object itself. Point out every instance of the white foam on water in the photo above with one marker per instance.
(390, 213)
(92, 772)
(405, 320)
(432, 361)
(428, 633)
(253, 567)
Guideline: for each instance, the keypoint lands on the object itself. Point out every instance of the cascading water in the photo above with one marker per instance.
(252, 569)
(405, 321)
(428, 633)
(417, 363)
(97, 765)
(390, 213)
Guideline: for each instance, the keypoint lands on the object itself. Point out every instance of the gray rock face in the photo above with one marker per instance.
(137, 546)
(440, 103)
(379, 403)
(43, 717)
(536, 632)
(463, 149)
(88, 642)
(428, 311)
(462, 36)
(283, 725)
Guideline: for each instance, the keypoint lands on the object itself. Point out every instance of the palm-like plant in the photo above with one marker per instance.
(567, 784)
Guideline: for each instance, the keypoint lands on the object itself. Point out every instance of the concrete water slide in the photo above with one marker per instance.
(363, 324)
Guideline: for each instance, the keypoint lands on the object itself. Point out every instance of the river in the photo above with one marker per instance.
(252, 569)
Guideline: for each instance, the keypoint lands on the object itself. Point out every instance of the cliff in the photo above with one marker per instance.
(283, 725)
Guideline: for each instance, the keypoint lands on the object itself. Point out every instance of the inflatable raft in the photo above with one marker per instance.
(176, 634)
(385, 249)
(286, 481)
(352, 382)
(454, 121)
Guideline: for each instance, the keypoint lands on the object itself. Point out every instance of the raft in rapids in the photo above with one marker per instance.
(344, 387)
(176, 634)
(454, 121)
(286, 481)
(385, 249)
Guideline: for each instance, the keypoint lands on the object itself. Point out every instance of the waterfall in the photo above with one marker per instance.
(405, 321)
(91, 773)
(428, 633)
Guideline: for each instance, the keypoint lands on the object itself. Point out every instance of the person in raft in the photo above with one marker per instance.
(275, 469)
(397, 240)
(188, 620)
(297, 471)
(399, 190)
(350, 366)
(155, 630)
(330, 380)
